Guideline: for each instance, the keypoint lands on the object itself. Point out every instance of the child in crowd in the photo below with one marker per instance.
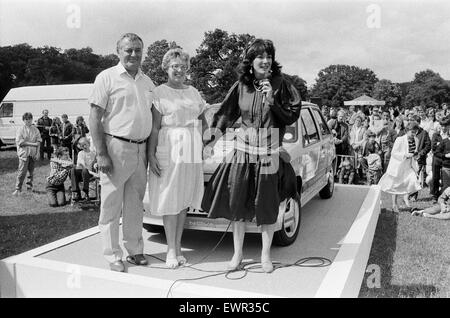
(372, 159)
(346, 172)
(439, 211)
(86, 163)
(28, 139)
(60, 166)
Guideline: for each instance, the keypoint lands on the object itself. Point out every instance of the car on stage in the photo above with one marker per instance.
(310, 144)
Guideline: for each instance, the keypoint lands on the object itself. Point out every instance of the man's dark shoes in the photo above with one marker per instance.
(138, 259)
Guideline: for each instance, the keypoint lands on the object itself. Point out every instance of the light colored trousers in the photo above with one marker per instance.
(122, 192)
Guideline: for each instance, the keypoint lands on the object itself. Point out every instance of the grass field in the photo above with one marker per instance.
(410, 256)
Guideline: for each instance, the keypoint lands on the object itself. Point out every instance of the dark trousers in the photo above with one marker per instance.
(68, 144)
(422, 176)
(436, 178)
(78, 175)
(45, 147)
(445, 178)
(56, 195)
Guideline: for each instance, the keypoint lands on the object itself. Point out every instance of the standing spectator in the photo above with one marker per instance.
(400, 177)
(28, 139)
(444, 150)
(60, 166)
(326, 112)
(79, 131)
(81, 170)
(44, 123)
(374, 167)
(427, 121)
(375, 115)
(369, 146)
(55, 133)
(423, 147)
(445, 111)
(120, 122)
(399, 126)
(436, 164)
(66, 133)
(386, 140)
(341, 139)
(351, 114)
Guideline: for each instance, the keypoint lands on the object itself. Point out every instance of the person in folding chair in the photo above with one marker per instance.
(83, 171)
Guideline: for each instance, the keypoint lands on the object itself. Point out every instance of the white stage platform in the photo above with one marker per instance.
(340, 229)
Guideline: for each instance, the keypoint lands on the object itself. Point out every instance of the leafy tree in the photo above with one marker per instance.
(300, 84)
(390, 92)
(428, 89)
(338, 83)
(152, 61)
(213, 69)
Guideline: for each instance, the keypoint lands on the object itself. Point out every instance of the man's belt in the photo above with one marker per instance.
(128, 140)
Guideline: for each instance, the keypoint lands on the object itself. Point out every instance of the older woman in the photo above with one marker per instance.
(175, 152)
(257, 175)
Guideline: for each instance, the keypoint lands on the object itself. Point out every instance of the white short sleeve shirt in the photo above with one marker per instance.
(126, 100)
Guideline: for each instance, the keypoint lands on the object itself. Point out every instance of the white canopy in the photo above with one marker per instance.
(364, 100)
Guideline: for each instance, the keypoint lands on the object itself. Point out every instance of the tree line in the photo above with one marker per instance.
(213, 71)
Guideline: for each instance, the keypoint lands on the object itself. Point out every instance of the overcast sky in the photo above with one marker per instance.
(393, 38)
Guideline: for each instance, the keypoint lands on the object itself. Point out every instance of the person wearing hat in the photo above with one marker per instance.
(401, 174)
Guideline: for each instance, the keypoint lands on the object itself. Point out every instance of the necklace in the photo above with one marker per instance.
(257, 85)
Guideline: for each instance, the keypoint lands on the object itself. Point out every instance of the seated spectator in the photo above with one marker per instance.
(86, 163)
(439, 211)
(346, 172)
(60, 165)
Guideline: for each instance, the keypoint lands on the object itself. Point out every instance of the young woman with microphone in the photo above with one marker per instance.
(257, 175)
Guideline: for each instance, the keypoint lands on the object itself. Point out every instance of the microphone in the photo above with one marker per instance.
(265, 81)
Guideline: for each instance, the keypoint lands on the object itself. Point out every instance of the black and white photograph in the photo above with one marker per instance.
(224, 153)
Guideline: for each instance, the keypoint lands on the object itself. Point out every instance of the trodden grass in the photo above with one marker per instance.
(26, 221)
(410, 255)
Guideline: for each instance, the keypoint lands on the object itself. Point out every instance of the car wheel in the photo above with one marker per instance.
(291, 224)
(327, 191)
(153, 228)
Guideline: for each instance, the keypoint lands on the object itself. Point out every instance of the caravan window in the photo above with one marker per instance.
(6, 110)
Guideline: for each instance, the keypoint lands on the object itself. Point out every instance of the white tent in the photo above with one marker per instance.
(364, 100)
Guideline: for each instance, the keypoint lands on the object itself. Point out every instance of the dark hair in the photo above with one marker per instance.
(79, 118)
(27, 115)
(417, 118)
(412, 126)
(402, 123)
(371, 147)
(59, 151)
(257, 47)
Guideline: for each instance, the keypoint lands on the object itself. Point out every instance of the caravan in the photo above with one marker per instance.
(58, 99)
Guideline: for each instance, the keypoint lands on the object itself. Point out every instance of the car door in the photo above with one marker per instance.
(327, 145)
(311, 149)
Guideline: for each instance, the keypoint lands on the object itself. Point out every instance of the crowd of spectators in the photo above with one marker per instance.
(365, 135)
